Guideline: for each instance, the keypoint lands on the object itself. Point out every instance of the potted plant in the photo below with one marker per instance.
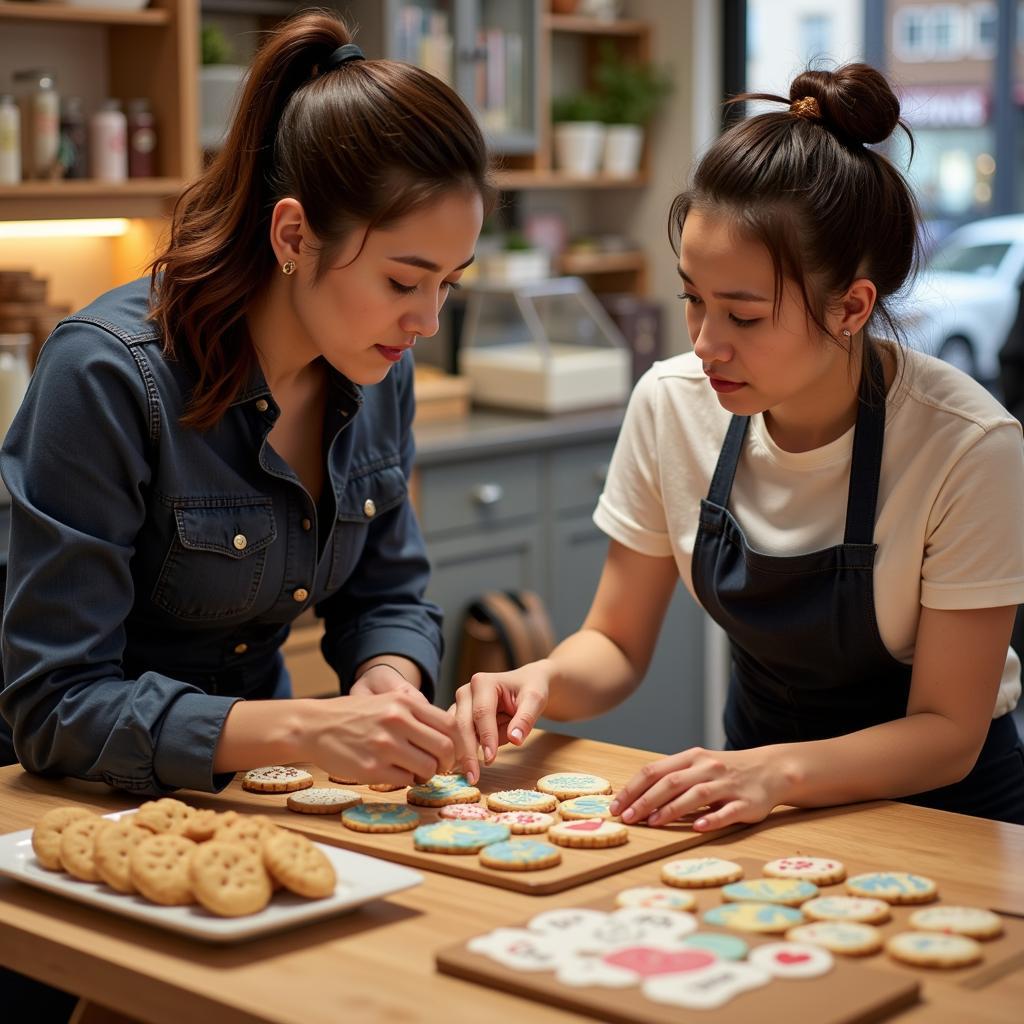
(578, 134)
(219, 84)
(630, 94)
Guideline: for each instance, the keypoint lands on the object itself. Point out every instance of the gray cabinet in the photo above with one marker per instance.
(505, 502)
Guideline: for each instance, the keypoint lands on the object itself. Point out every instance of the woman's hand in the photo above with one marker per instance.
(396, 736)
(382, 679)
(494, 708)
(737, 785)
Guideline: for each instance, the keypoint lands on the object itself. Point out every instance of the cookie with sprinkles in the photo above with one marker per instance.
(767, 918)
(322, 800)
(589, 834)
(520, 855)
(521, 800)
(700, 872)
(466, 812)
(847, 908)
(596, 805)
(656, 897)
(790, 892)
(442, 790)
(893, 886)
(933, 949)
(566, 785)
(526, 823)
(278, 778)
(458, 836)
(380, 817)
(851, 938)
(974, 922)
(819, 870)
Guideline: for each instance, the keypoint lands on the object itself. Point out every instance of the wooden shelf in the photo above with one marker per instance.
(60, 200)
(582, 25)
(252, 8)
(510, 181)
(600, 262)
(55, 12)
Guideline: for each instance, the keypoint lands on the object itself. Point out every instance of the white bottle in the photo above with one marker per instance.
(108, 143)
(10, 141)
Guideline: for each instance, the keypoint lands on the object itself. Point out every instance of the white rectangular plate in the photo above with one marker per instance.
(360, 879)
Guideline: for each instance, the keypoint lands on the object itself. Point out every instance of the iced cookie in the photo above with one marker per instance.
(789, 891)
(655, 896)
(819, 870)
(442, 790)
(466, 812)
(725, 947)
(458, 836)
(276, 778)
(589, 833)
(932, 949)
(893, 886)
(792, 959)
(322, 800)
(700, 872)
(520, 855)
(521, 800)
(768, 918)
(594, 806)
(566, 785)
(847, 908)
(973, 922)
(46, 835)
(851, 938)
(526, 823)
(229, 880)
(380, 817)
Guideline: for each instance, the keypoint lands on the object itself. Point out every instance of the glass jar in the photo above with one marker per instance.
(40, 123)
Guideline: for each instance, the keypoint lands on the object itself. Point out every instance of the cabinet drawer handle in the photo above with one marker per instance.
(601, 473)
(488, 494)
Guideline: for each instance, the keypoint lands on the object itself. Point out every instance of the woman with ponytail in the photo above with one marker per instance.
(847, 510)
(206, 454)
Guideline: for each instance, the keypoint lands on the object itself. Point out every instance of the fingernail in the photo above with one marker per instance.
(471, 776)
(517, 735)
(614, 807)
(488, 755)
(701, 823)
(629, 814)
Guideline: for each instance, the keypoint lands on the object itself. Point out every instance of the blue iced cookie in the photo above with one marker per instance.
(754, 917)
(790, 891)
(520, 855)
(450, 836)
(380, 817)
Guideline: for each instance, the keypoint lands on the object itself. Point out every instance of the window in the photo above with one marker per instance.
(981, 260)
(912, 35)
(947, 32)
(981, 31)
(815, 36)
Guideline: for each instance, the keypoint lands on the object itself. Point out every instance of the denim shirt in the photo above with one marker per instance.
(154, 570)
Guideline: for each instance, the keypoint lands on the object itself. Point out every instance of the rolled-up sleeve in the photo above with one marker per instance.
(77, 464)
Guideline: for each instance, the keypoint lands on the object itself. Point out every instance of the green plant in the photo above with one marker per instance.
(630, 92)
(516, 241)
(214, 47)
(583, 106)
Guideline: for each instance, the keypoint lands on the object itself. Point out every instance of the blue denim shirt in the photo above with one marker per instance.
(154, 570)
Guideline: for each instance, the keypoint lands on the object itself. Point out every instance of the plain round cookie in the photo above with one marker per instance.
(521, 800)
(594, 805)
(299, 865)
(458, 837)
(229, 880)
(322, 800)
(77, 843)
(46, 835)
(700, 872)
(974, 922)
(893, 886)
(525, 823)
(112, 852)
(591, 833)
(386, 787)
(566, 785)
(790, 892)
(166, 815)
(933, 949)
(380, 817)
(160, 869)
(864, 909)
(250, 831)
(277, 778)
(655, 897)
(442, 790)
(819, 870)
(851, 938)
(201, 825)
(520, 855)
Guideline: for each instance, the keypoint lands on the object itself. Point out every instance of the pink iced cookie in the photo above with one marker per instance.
(466, 812)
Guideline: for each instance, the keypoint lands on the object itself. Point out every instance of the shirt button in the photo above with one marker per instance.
(369, 508)
(307, 524)
(262, 405)
(300, 595)
(241, 648)
(240, 542)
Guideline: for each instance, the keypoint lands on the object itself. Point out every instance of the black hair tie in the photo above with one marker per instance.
(342, 55)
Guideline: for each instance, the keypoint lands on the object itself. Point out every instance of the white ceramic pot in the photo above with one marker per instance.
(219, 87)
(578, 147)
(623, 144)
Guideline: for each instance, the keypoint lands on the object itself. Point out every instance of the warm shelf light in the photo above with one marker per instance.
(108, 227)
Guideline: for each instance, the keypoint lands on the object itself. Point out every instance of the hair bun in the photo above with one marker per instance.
(856, 101)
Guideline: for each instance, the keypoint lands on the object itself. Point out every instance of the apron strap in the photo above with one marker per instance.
(866, 467)
(728, 460)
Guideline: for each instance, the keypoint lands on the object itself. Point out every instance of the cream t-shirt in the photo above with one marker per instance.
(950, 515)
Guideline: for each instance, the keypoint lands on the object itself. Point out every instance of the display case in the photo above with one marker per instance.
(546, 347)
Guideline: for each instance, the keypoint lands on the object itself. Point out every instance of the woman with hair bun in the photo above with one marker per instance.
(846, 509)
(205, 455)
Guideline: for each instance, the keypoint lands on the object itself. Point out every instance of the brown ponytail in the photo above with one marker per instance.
(362, 144)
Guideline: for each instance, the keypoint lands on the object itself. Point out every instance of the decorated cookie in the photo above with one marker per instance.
(573, 926)
(442, 790)
(521, 800)
(520, 855)
(791, 959)
(970, 921)
(819, 870)
(566, 785)
(657, 897)
(587, 970)
(589, 833)
(933, 949)
(639, 926)
(525, 823)
(276, 779)
(851, 938)
(458, 836)
(725, 947)
(323, 800)
(847, 908)
(700, 872)
(789, 891)
(520, 949)
(768, 918)
(893, 886)
(380, 817)
(594, 806)
(706, 988)
(466, 812)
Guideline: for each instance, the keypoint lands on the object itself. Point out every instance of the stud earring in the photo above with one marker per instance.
(846, 333)
(288, 267)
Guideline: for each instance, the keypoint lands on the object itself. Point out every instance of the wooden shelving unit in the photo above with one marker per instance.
(594, 26)
(65, 14)
(69, 200)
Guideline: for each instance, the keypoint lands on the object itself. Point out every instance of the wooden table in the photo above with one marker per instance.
(377, 964)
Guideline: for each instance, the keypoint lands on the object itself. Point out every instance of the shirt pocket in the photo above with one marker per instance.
(216, 560)
(367, 496)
